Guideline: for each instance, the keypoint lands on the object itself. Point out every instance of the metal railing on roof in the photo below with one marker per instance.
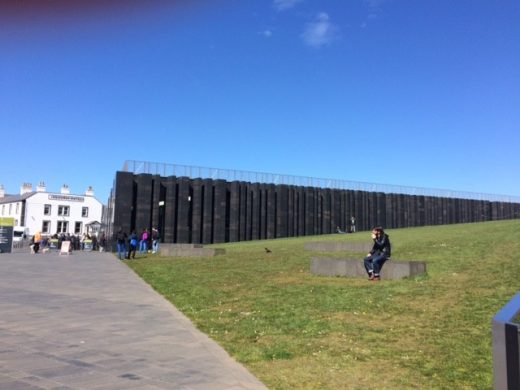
(193, 172)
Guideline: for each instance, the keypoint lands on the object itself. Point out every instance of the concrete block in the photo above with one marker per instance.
(189, 250)
(339, 246)
(392, 269)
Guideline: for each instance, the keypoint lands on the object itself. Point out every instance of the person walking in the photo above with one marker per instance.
(352, 224)
(121, 244)
(155, 240)
(143, 245)
(102, 242)
(37, 241)
(132, 247)
(381, 252)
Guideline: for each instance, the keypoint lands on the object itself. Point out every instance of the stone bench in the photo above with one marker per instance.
(339, 246)
(392, 269)
(188, 250)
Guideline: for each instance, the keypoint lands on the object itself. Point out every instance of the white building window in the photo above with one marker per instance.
(77, 228)
(18, 208)
(63, 227)
(84, 212)
(3, 209)
(10, 208)
(63, 211)
(46, 226)
(46, 209)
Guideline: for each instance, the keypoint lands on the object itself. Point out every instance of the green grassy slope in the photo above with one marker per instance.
(296, 330)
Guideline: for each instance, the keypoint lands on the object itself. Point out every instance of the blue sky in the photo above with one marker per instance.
(401, 92)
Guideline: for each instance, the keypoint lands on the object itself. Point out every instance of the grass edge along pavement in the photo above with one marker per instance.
(295, 330)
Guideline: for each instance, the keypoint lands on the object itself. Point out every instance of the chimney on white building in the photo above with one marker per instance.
(2, 191)
(65, 189)
(41, 187)
(89, 191)
(26, 188)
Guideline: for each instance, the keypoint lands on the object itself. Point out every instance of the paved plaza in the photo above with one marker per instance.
(87, 321)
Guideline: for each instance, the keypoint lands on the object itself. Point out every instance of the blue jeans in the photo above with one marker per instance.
(121, 250)
(374, 263)
(155, 246)
(143, 247)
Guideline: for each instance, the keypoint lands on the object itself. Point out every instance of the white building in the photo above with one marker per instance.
(50, 212)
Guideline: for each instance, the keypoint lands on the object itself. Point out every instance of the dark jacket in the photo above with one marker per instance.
(121, 237)
(382, 245)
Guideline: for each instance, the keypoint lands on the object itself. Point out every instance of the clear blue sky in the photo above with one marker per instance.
(400, 92)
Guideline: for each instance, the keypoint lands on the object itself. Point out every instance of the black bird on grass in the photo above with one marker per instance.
(267, 250)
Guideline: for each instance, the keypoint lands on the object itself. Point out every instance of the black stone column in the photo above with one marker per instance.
(271, 211)
(316, 225)
(143, 202)
(207, 211)
(448, 211)
(390, 211)
(156, 194)
(124, 189)
(256, 200)
(170, 210)
(309, 211)
(196, 205)
(371, 208)
(219, 212)
(184, 211)
(282, 211)
(234, 211)
(428, 210)
(263, 211)
(381, 210)
(299, 212)
(326, 206)
(291, 211)
(359, 212)
(245, 213)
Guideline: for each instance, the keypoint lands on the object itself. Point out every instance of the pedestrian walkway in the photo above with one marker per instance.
(87, 321)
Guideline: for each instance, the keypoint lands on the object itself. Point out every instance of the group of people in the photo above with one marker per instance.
(77, 242)
(128, 245)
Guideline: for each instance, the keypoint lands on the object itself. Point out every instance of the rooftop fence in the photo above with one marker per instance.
(193, 172)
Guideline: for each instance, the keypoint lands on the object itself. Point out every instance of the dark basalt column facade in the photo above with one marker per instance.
(206, 211)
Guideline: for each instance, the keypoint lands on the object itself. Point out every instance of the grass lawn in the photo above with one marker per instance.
(294, 330)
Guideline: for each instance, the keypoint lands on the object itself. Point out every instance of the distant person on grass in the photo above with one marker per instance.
(381, 251)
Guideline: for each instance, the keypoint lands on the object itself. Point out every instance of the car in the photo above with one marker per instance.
(19, 233)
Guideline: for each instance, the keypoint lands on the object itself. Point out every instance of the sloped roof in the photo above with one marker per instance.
(16, 198)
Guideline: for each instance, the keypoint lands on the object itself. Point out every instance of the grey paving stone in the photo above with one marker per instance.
(20, 385)
(58, 372)
(86, 321)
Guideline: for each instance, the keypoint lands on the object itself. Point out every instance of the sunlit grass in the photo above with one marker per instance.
(296, 330)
